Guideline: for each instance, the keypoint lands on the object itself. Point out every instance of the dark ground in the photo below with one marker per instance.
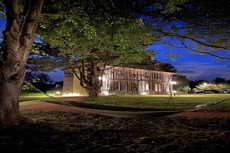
(69, 132)
(49, 128)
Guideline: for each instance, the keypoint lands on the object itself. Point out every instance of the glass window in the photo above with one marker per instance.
(156, 87)
(159, 87)
(146, 74)
(155, 75)
(117, 85)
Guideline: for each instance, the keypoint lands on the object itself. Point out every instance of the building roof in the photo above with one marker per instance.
(150, 64)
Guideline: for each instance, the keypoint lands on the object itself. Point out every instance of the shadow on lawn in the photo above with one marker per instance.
(29, 137)
(47, 131)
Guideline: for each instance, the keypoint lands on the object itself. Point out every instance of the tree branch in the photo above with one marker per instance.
(28, 28)
(203, 43)
(204, 52)
(195, 40)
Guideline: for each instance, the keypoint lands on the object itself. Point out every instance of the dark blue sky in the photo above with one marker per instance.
(195, 66)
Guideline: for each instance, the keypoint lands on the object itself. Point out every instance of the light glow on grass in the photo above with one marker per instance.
(164, 101)
(184, 102)
(29, 103)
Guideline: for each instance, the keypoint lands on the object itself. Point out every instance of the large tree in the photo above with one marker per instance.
(103, 27)
(98, 38)
(18, 40)
(22, 21)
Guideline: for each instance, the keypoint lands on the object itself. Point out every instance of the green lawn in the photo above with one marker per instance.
(164, 101)
(34, 94)
(154, 101)
(33, 98)
(30, 102)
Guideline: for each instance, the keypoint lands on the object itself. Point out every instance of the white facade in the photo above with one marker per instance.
(123, 80)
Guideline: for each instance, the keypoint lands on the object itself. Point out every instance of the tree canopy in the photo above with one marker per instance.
(195, 25)
(75, 32)
(199, 26)
(76, 27)
(72, 29)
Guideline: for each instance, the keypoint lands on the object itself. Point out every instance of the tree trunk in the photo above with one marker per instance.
(89, 79)
(9, 95)
(93, 93)
(18, 41)
(94, 86)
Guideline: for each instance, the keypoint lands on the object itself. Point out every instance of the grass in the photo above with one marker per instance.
(164, 101)
(32, 97)
(35, 94)
(32, 102)
(46, 131)
(154, 101)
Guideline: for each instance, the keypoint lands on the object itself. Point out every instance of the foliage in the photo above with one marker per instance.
(181, 80)
(183, 89)
(84, 29)
(75, 28)
(42, 81)
(169, 68)
(199, 26)
(213, 86)
(150, 64)
(25, 87)
(39, 61)
(219, 80)
(36, 77)
(78, 27)
(76, 32)
(182, 84)
(193, 84)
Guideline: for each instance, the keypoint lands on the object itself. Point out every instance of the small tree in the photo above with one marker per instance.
(182, 84)
(183, 89)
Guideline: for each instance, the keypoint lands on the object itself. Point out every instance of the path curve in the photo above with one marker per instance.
(55, 107)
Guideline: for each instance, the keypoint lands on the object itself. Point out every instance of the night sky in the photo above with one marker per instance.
(196, 66)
